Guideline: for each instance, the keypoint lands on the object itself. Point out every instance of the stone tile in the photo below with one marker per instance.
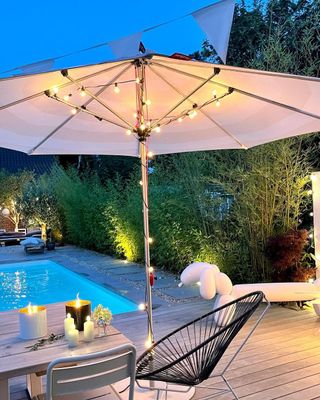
(182, 293)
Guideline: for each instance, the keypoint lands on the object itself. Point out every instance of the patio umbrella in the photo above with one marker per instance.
(153, 103)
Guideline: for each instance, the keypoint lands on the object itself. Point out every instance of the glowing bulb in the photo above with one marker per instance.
(180, 119)
(82, 92)
(158, 129)
(138, 80)
(148, 102)
(142, 306)
(311, 214)
(73, 111)
(244, 147)
(309, 192)
(313, 177)
(310, 235)
(150, 269)
(148, 123)
(214, 93)
(150, 154)
(199, 283)
(141, 183)
(218, 103)
(78, 301)
(116, 88)
(66, 97)
(55, 89)
(192, 114)
(29, 308)
(142, 127)
(311, 280)
(150, 240)
(148, 343)
(128, 132)
(135, 115)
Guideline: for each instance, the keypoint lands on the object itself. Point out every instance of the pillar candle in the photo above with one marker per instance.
(73, 337)
(88, 330)
(33, 322)
(68, 325)
(79, 309)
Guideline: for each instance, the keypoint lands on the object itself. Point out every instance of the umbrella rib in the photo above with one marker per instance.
(243, 92)
(205, 80)
(72, 116)
(33, 96)
(201, 110)
(94, 97)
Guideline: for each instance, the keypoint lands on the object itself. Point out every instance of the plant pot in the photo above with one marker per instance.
(51, 245)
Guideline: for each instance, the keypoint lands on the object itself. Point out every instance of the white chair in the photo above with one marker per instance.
(93, 371)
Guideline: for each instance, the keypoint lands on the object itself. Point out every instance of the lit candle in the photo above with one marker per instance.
(88, 330)
(78, 309)
(68, 325)
(33, 322)
(73, 337)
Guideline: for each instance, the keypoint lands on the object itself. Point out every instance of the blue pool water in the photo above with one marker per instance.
(44, 282)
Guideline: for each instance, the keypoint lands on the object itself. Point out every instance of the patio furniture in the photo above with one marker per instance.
(188, 355)
(16, 359)
(90, 373)
(33, 245)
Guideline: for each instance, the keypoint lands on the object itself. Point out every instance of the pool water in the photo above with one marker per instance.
(44, 282)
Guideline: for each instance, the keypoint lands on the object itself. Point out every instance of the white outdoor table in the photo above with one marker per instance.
(17, 360)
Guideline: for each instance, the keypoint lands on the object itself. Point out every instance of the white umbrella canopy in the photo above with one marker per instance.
(155, 102)
(262, 107)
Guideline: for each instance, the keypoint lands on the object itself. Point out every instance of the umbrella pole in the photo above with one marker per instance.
(145, 201)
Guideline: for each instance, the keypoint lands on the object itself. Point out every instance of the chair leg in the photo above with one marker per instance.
(230, 387)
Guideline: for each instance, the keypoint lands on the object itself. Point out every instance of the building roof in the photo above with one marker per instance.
(14, 161)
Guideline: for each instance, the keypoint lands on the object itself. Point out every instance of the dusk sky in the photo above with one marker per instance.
(36, 30)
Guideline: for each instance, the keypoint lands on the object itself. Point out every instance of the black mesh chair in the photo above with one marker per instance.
(188, 355)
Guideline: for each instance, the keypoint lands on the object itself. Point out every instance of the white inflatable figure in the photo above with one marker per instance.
(223, 284)
(223, 317)
(208, 283)
(191, 274)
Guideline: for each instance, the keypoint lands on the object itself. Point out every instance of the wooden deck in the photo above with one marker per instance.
(280, 361)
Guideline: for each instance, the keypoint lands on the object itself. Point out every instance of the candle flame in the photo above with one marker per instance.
(88, 318)
(29, 308)
(68, 315)
(32, 309)
(78, 303)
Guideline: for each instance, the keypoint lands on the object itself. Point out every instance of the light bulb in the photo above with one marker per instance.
(66, 97)
(199, 283)
(135, 115)
(148, 123)
(128, 132)
(142, 127)
(311, 214)
(244, 147)
(192, 114)
(73, 111)
(311, 280)
(138, 80)
(180, 119)
(150, 240)
(148, 343)
(158, 129)
(150, 154)
(142, 306)
(310, 235)
(82, 92)
(309, 192)
(214, 93)
(116, 88)
(150, 269)
(148, 102)
(218, 103)
(140, 183)
(55, 89)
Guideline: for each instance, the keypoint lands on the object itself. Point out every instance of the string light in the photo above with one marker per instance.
(214, 93)
(140, 183)
(55, 89)
(192, 114)
(218, 103)
(82, 92)
(138, 80)
(116, 88)
(73, 111)
(309, 192)
(158, 129)
(148, 123)
(142, 306)
(142, 127)
(66, 97)
(199, 283)
(128, 132)
(311, 214)
(148, 343)
(150, 154)
(150, 240)
(180, 119)
(148, 102)
(150, 269)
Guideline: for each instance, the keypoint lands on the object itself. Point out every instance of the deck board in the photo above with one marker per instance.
(280, 361)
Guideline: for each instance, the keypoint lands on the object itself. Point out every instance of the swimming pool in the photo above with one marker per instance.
(44, 282)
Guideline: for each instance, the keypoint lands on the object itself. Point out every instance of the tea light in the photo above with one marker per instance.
(88, 330)
(68, 325)
(73, 337)
(33, 322)
(79, 310)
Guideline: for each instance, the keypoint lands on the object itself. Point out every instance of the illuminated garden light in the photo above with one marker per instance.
(142, 306)
(150, 240)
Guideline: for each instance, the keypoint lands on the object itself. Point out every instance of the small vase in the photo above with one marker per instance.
(102, 327)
